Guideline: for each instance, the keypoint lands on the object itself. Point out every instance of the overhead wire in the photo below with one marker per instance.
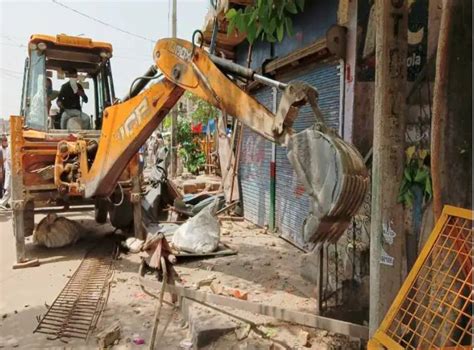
(102, 22)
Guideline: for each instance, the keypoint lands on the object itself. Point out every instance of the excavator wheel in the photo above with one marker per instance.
(121, 216)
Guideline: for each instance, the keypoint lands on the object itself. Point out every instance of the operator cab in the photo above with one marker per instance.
(51, 62)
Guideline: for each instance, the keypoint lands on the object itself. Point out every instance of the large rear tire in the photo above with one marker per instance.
(121, 216)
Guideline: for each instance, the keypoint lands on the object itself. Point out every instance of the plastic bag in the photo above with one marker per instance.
(200, 234)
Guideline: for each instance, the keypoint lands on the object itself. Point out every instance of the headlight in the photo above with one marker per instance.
(42, 46)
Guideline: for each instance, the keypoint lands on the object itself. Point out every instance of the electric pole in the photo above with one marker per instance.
(388, 241)
(174, 112)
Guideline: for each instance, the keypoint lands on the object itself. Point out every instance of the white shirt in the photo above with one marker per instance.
(6, 158)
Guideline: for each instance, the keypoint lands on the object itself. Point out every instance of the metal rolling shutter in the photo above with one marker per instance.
(292, 203)
(254, 169)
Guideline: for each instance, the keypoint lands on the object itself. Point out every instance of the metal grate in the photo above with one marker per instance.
(76, 310)
(434, 306)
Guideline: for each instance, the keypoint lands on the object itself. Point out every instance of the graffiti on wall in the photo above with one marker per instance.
(417, 39)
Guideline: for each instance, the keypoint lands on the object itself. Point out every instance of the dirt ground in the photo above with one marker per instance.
(265, 267)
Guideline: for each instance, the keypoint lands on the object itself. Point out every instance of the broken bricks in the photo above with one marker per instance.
(109, 335)
(217, 288)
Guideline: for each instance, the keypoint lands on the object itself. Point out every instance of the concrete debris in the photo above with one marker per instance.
(55, 231)
(204, 282)
(243, 332)
(303, 338)
(109, 336)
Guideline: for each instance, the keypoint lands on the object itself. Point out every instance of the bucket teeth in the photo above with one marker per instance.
(335, 177)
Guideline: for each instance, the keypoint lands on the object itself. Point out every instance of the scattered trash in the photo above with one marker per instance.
(200, 234)
(134, 245)
(109, 336)
(138, 340)
(186, 344)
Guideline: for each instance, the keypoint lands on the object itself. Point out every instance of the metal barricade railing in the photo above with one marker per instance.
(433, 309)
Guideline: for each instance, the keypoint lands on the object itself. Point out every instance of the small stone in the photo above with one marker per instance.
(4, 316)
(273, 244)
(116, 341)
(303, 338)
(280, 257)
(323, 333)
(16, 312)
(242, 332)
(147, 324)
(268, 263)
(227, 263)
(27, 305)
(186, 344)
(12, 342)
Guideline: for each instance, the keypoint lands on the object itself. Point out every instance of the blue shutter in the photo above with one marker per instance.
(292, 203)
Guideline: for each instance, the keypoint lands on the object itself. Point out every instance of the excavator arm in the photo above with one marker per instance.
(331, 170)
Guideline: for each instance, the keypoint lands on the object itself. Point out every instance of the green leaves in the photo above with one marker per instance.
(291, 7)
(415, 174)
(265, 20)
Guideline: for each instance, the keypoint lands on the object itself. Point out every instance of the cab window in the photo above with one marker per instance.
(36, 114)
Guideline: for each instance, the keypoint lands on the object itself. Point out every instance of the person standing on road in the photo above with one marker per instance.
(4, 202)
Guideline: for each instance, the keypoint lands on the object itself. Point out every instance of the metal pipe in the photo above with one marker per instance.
(140, 83)
(247, 73)
(269, 82)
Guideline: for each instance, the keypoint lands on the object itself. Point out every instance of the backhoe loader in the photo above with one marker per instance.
(67, 168)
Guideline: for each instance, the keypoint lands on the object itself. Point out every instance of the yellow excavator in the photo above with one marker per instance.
(65, 169)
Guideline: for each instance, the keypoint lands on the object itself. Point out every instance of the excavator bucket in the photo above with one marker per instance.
(333, 174)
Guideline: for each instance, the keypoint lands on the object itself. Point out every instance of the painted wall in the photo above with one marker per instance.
(423, 26)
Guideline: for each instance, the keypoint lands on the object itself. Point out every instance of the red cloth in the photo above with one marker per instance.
(196, 128)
